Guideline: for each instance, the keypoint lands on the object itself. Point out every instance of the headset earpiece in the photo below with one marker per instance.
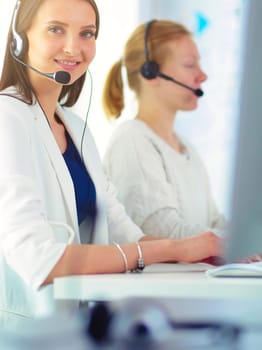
(19, 43)
(150, 69)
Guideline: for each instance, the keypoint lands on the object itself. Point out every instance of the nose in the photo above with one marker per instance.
(202, 76)
(71, 45)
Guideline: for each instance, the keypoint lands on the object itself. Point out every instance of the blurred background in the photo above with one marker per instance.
(217, 31)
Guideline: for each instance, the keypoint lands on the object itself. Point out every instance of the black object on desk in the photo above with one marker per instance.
(139, 323)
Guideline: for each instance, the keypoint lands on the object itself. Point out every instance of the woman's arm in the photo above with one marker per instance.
(97, 259)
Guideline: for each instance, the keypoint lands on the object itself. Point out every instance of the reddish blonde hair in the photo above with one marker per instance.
(161, 32)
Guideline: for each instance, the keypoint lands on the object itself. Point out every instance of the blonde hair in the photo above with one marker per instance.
(161, 32)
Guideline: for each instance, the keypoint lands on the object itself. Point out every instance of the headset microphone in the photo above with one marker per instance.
(19, 46)
(61, 77)
(150, 69)
(197, 92)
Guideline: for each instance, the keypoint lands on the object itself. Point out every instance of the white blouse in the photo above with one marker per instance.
(165, 192)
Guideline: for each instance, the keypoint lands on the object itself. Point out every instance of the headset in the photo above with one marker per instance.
(150, 69)
(19, 43)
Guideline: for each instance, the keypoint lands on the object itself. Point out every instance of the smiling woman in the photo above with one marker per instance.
(44, 44)
(61, 216)
(68, 45)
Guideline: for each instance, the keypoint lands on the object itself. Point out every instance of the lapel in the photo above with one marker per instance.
(58, 164)
(93, 164)
(91, 156)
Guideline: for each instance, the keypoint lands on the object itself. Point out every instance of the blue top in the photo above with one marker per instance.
(85, 192)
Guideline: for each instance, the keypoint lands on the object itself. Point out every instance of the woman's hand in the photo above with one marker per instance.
(198, 248)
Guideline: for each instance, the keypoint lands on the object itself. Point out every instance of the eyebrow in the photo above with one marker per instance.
(90, 26)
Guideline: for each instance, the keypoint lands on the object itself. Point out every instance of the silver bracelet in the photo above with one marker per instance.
(123, 255)
(140, 261)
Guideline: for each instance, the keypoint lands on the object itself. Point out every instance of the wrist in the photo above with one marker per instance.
(140, 260)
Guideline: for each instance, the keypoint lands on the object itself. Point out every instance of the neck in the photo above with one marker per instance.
(164, 128)
(161, 124)
(48, 103)
(47, 93)
(56, 125)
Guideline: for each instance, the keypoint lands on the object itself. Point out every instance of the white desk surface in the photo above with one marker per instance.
(157, 281)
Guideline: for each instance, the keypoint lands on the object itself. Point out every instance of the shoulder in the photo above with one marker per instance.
(14, 110)
(131, 132)
(10, 97)
(135, 139)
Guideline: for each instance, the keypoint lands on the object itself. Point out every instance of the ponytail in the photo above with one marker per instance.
(113, 92)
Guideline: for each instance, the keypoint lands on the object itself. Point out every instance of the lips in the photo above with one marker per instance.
(68, 64)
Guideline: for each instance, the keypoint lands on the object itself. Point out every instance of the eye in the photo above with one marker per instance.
(56, 29)
(88, 34)
(190, 65)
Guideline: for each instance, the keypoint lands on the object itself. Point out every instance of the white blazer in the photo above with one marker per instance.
(38, 217)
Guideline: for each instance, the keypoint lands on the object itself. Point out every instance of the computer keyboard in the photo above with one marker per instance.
(253, 269)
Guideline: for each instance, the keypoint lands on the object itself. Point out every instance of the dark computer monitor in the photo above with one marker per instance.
(245, 229)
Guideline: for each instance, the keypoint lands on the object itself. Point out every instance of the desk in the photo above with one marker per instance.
(158, 281)
(183, 290)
